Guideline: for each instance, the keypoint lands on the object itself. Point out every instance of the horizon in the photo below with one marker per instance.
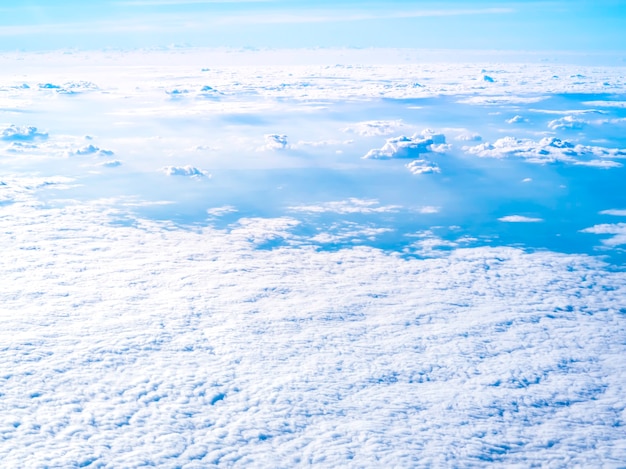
(581, 26)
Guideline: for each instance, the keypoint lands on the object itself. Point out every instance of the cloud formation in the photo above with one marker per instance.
(188, 170)
(375, 127)
(616, 230)
(274, 142)
(427, 141)
(548, 150)
(351, 205)
(14, 133)
(519, 219)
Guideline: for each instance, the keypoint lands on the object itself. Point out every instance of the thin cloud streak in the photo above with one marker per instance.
(323, 17)
(150, 3)
(199, 22)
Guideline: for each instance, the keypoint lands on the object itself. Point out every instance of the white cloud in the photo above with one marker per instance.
(149, 343)
(469, 137)
(275, 142)
(617, 230)
(321, 143)
(428, 209)
(220, 211)
(548, 150)
(90, 150)
(14, 133)
(519, 219)
(423, 167)
(517, 120)
(567, 122)
(500, 100)
(614, 212)
(609, 104)
(187, 170)
(111, 163)
(349, 232)
(351, 205)
(375, 127)
(427, 141)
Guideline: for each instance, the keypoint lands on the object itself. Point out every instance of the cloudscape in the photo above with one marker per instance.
(273, 233)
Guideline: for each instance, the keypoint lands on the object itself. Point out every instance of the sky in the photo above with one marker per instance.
(331, 257)
(577, 25)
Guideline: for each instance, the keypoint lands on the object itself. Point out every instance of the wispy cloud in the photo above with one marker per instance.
(198, 21)
(328, 16)
(149, 3)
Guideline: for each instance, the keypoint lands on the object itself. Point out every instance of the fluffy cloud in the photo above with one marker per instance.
(220, 211)
(352, 205)
(194, 348)
(90, 150)
(519, 219)
(111, 163)
(567, 122)
(616, 230)
(427, 141)
(423, 167)
(349, 232)
(375, 127)
(547, 150)
(517, 120)
(187, 170)
(468, 137)
(14, 133)
(275, 142)
(614, 212)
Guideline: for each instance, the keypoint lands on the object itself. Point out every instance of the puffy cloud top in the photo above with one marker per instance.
(547, 150)
(410, 147)
(188, 170)
(21, 133)
(275, 142)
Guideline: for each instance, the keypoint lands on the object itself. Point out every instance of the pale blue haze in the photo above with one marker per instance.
(517, 25)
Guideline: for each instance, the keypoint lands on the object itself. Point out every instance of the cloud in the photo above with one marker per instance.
(72, 87)
(351, 205)
(14, 133)
(375, 127)
(548, 150)
(571, 122)
(321, 143)
(568, 123)
(346, 15)
(468, 137)
(617, 230)
(501, 100)
(349, 232)
(517, 120)
(428, 209)
(189, 171)
(274, 142)
(223, 352)
(427, 141)
(111, 163)
(614, 212)
(220, 211)
(422, 167)
(519, 219)
(609, 104)
(90, 150)
(259, 231)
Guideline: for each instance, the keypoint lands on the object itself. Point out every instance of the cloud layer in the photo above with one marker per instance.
(134, 344)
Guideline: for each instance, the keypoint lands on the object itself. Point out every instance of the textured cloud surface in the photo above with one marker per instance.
(308, 306)
(199, 349)
(548, 150)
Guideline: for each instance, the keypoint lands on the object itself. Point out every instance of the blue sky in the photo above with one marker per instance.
(517, 25)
